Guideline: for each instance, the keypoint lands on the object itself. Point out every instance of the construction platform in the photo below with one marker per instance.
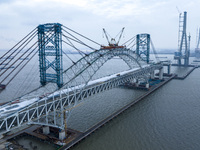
(187, 74)
(36, 132)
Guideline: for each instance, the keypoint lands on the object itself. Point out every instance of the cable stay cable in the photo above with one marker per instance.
(79, 51)
(17, 66)
(19, 51)
(72, 44)
(134, 43)
(21, 68)
(21, 61)
(78, 41)
(24, 59)
(154, 51)
(133, 38)
(68, 56)
(82, 36)
(20, 57)
(27, 81)
(71, 52)
(17, 44)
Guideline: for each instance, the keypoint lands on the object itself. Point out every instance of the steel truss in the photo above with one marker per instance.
(54, 51)
(50, 110)
(143, 46)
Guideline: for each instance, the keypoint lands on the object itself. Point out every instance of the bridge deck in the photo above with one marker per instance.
(10, 108)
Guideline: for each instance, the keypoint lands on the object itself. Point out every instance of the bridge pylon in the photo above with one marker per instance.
(143, 46)
(183, 50)
(197, 49)
(50, 53)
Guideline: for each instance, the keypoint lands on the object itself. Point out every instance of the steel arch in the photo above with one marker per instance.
(45, 111)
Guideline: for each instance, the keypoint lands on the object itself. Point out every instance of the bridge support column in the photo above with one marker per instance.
(169, 69)
(161, 74)
(152, 74)
(62, 135)
(136, 83)
(147, 85)
(46, 130)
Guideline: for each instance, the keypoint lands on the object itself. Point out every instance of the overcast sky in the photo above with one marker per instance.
(156, 17)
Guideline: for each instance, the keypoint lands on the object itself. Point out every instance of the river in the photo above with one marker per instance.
(167, 119)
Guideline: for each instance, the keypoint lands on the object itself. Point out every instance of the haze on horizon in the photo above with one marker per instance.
(156, 17)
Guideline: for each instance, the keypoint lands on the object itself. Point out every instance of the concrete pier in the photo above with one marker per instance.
(147, 85)
(153, 75)
(62, 135)
(161, 73)
(46, 130)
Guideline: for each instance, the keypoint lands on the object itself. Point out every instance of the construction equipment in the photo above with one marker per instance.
(112, 42)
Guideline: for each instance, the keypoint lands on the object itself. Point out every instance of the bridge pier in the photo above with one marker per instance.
(62, 135)
(147, 85)
(161, 73)
(153, 74)
(46, 130)
(136, 82)
(169, 68)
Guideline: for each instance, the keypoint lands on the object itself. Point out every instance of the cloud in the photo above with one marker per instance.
(157, 17)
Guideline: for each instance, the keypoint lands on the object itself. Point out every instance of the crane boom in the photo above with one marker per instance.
(106, 36)
(120, 35)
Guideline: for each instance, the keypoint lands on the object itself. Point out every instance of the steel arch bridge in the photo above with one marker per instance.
(50, 110)
(53, 108)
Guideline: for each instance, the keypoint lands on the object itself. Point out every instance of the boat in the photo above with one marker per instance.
(2, 86)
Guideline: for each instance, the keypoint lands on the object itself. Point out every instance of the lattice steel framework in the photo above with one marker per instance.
(49, 110)
(50, 53)
(143, 46)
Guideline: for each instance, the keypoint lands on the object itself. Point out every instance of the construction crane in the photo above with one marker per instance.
(112, 42)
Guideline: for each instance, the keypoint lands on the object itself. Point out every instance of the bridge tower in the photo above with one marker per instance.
(197, 49)
(143, 46)
(183, 52)
(50, 53)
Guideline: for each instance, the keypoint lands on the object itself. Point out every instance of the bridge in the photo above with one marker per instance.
(60, 91)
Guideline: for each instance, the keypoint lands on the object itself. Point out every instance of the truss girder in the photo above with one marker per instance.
(50, 111)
